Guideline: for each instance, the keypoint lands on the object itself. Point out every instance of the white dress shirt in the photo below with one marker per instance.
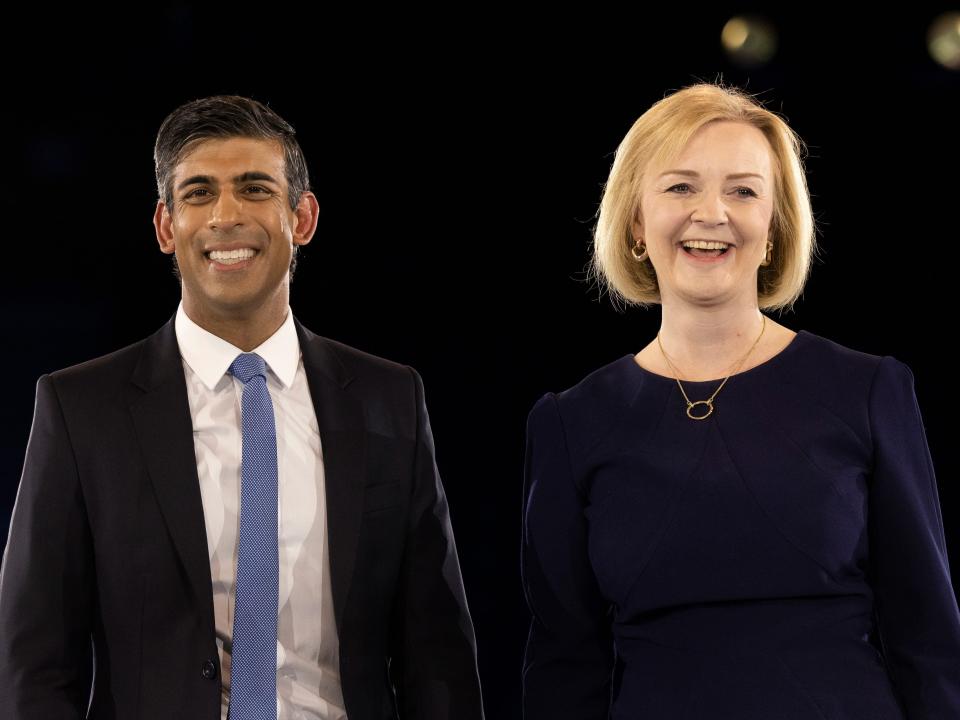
(308, 669)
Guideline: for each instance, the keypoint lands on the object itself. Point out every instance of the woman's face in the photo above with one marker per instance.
(720, 188)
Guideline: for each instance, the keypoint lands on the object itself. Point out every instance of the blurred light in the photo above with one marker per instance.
(943, 40)
(749, 40)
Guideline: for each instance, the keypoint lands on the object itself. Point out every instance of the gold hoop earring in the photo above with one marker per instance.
(641, 256)
(769, 256)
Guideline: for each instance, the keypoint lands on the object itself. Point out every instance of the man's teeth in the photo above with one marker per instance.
(230, 257)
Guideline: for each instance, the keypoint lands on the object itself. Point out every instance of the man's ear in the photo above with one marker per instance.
(162, 223)
(305, 218)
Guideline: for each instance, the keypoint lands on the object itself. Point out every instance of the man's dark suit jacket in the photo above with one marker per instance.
(106, 578)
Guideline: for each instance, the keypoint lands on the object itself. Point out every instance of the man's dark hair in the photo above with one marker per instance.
(222, 117)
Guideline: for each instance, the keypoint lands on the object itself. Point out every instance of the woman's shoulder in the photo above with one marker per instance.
(586, 408)
(825, 374)
(809, 353)
(606, 385)
(824, 359)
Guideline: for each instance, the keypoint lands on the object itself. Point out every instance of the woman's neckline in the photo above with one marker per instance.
(769, 362)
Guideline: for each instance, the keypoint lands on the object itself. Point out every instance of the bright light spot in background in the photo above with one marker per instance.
(943, 40)
(749, 40)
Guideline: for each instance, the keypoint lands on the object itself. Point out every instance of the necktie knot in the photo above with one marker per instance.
(248, 366)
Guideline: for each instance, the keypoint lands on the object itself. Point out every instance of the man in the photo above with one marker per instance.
(234, 511)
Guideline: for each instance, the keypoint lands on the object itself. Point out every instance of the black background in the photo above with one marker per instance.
(458, 162)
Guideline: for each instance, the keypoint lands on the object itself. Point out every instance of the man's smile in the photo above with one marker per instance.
(231, 259)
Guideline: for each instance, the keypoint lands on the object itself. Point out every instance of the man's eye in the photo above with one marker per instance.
(256, 189)
(195, 193)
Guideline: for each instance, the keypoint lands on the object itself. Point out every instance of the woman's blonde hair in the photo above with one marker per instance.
(660, 135)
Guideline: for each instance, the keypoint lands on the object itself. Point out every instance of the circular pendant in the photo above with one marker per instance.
(692, 405)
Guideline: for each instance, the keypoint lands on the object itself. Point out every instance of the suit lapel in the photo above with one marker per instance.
(161, 417)
(341, 422)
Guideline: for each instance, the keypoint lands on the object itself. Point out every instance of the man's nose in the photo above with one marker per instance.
(225, 212)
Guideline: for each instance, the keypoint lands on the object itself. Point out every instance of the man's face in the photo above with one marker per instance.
(231, 226)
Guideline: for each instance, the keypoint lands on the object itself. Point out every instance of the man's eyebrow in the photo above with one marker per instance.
(196, 180)
(254, 175)
(694, 173)
(250, 176)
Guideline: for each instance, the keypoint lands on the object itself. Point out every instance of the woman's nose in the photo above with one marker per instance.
(709, 209)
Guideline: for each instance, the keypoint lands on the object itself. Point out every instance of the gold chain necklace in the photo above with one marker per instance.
(709, 401)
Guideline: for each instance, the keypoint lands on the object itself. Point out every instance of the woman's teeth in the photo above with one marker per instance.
(700, 248)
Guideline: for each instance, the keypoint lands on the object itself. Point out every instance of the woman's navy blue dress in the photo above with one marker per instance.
(783, 559)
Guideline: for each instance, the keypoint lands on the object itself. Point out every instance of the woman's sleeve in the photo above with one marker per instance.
(569, 657)
(916, 609)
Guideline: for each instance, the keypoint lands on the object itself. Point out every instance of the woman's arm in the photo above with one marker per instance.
(569, 656)
(915, 604)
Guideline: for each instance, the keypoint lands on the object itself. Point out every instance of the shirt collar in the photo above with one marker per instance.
(210, 356)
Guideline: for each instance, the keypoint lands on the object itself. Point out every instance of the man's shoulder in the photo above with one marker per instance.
(362, 361)
(351, 364)
(113, 367)
(348, 364)
(382, 387)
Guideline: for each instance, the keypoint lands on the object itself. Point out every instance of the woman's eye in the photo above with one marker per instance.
(684, 187)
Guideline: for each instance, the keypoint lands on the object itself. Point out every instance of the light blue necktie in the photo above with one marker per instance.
(253, 681)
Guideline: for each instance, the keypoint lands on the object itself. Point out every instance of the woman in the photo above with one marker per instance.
(740, 521)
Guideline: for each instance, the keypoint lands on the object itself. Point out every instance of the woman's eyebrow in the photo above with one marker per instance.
(694, 173)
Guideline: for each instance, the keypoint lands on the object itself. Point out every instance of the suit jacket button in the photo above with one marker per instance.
(208, 670)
